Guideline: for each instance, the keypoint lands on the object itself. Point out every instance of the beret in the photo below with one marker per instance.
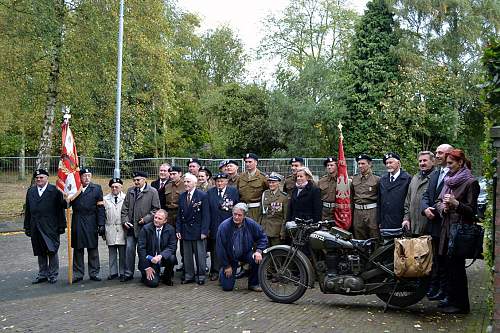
(207, 170)
(84, 170)
(138, 173)
(391, 155)
(363, 157)
(175, 169)
(194, 160)
(251, 155)
(328, 160)
(296, 159)
(40, 172)
(115, 180)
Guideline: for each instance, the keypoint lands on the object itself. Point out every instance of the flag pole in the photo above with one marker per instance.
(70, 257)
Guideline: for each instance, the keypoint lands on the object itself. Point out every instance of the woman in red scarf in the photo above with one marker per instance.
(457, 203)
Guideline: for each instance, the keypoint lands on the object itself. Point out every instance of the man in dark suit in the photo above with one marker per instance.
(393, 188)
(193, 222)
(44, 221)
(159, 184)
(156, 248)
(438, 288)
(87, 223)
(221, 200)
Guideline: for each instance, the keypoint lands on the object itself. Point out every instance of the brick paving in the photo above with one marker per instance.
(111, 306)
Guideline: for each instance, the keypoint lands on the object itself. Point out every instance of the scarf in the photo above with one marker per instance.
(452, 181)
(301, 187)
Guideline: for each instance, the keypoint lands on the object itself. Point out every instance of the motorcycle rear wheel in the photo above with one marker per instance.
(408, 293)
(282, 284)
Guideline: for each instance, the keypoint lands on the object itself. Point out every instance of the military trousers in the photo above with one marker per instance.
(94, 265)
(365, 223)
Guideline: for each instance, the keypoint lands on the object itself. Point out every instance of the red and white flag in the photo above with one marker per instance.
(69, 172)
(342, 210)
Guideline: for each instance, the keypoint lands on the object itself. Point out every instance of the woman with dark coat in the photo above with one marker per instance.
(305, 201)
(457, 203)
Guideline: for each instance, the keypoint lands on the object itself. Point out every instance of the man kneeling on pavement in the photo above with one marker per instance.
(157, 245)
(236, 238)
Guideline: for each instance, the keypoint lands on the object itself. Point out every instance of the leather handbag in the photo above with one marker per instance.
(466, 240)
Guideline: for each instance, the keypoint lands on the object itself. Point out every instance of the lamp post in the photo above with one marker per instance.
(116, 172)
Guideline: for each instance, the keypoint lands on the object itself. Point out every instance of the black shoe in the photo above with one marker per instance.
(241, 274)
(180, 268)
(444, 303)
(437, 297)
(214, 276)
(52, 280)
(112, 276)
(39, 279)
(201, 282)
(187, 281)
(75, 280)
(454, 310)
(125, 278)
(168, 282)
(95, 278)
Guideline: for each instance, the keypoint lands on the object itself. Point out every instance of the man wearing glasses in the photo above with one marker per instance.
(140, 204)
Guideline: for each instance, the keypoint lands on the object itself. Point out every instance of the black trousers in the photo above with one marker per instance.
(168, 263)
(458, 291)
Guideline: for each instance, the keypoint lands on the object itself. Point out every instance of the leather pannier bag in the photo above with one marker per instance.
(413, 257)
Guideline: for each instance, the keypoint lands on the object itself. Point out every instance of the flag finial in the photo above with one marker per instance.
(340, 129)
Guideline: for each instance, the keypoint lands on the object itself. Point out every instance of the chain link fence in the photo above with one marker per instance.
(18, 169)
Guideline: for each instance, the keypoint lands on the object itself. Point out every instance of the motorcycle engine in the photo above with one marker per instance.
(341, 270)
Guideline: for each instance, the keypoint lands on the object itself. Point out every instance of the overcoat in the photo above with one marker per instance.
(44, 219)
(141, 206)
(115, 234)
(88, 214)
(391, 200)
(305, 205)
(416, 189)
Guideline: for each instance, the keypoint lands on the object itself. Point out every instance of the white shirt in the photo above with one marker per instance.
(42, 189)
(396, 175)
(222, 192)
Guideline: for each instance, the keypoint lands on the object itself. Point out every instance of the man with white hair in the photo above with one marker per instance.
(236, 238)
(192, 227)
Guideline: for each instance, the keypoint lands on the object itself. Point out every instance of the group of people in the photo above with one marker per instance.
(235, 216)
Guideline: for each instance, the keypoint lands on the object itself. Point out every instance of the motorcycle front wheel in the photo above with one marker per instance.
(282, 278)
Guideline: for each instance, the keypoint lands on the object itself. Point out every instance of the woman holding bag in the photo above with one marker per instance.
(457, 203)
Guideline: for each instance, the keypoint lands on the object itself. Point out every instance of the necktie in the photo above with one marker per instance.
(392, 178)
(158, 237)
(116, 200)
(188, 198)
(441, 176)
(220, 193)
(162, 184)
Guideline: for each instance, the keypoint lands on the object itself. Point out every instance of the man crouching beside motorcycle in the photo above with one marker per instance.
(236, 238)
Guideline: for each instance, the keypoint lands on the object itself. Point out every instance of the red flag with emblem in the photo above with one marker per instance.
(342, 210)
(68, 174)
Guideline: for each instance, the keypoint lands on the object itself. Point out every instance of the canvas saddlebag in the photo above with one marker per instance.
(413, 257)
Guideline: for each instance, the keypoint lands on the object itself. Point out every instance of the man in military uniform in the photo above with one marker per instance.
(274, 205)
(194, 166)
(87, 223)
(172, 192)
(251, 184)
(161, 182)
(364, 192)
(295, 163)
(231, 169)
(44, 221)
(328, 186)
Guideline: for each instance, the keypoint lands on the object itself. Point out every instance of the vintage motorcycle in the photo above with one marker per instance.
(340, 264)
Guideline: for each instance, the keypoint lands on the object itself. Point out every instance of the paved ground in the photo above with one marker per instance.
(117, 307)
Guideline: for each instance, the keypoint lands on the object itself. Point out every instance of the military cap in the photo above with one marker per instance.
(328, 160)
(223, 163)
(296, 159)
(84, 170)
(40, 172)
(207, 170)
(363, 157)
(274, 176)
(114, 181)
(175, 169)
(138, 173)
(252, 156)
(234, 162)
(220, 175)
(391, 155)
(194, 160)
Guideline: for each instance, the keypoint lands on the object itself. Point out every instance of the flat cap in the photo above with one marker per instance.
(328, 160)
(138, 173)
(363, 157)
(391, 155)
(251, 155)
(114, 181)
(40, 172)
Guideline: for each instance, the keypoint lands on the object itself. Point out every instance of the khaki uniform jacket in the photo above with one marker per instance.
(418, 186)
(172, 193)
(364, 189)
(115, 234)
(289, 184)
(328, 186)
(251, 187)
(274, 209)
(233, 181)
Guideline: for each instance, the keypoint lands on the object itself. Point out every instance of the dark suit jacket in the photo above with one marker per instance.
(88, 214)
(44, 219)
(147, 244)
(391, 200)
(193, 219)
(221, 209)
(161, 194)
(429, 199)
(306, 205)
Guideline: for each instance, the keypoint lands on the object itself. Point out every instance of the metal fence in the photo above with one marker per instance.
(17, 169)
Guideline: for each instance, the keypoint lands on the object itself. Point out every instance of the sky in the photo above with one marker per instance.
(244, 17)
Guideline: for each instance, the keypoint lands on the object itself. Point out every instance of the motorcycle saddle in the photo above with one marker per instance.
(362, 243)
(397, 232)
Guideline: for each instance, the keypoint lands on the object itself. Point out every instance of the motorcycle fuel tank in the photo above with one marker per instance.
(323, 240)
